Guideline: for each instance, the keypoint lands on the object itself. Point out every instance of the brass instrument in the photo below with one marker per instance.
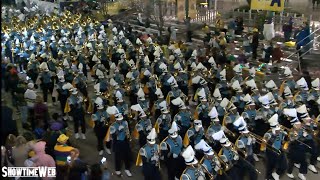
(261, 140)
(229, 132)
(211, 177)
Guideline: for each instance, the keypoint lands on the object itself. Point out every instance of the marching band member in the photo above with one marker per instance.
(143, 126)
(288, 99)
(310, 132)
(182, 79)
(171, 148)
(214, 127)
(164, 77)
(223, 84)
(302, 95)
(156, 110)
(231, 116)
(275, 159)
(45, 77)
(289, 80)
(163, 122)
(144, 103)
(297, 150)
(250, 112)
(237, 69)
(255, 91)
(75, 108)
(272, 87)
(183, 117)
(30, 96)
(237, 99)
(246, 142)
(120, 134)
(100, 119)
(173, 94)
(194, 134)
(210, 160)
(149, 157)
(194, 170)
(314, 94)
(263, 114)
(202, 109)
(122, 105)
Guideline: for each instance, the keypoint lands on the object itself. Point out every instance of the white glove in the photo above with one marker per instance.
(236, 157)
(155, 158)
(175, 155)
(121, 127)
(216, 168)
(249, 141)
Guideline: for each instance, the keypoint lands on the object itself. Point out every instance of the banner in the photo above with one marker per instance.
(181, 14)
(269, 5)
(192, 9)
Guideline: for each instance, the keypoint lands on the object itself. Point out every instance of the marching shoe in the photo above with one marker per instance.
(83, 136)
(77, 135)
(108, 151)
(312, 168)
(255, 157)
(101, 153)
(275, 176)
(291, 176)
(128, 173)
(297, 165)
(118, 173)
(302, 177)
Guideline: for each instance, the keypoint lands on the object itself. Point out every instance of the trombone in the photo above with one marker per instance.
(261, 141)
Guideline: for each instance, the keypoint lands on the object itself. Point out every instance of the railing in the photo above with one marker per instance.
(307, 45)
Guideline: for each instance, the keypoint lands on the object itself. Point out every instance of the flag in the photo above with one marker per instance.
(139, 160)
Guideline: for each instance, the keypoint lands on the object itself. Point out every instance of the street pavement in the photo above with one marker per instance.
(89, 153)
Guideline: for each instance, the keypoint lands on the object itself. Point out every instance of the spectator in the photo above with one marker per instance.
(41, 113)
(78, 169)
(254, 43)
(267, 52)
(30, 97)
(96, 172)
(41, 158)
(20, 151)
(277, 54)
(56, 129)
(8, 125)
(105, 172)
(61, 152)
(10, 142)
(22, 103)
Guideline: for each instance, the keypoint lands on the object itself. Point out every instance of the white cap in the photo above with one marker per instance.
(237, 69)
(67, 86)
(236, 86)
(302, 83)
(98, 101)
(292, 112)
(159, 93)
(146, 59)
(202, 145)
(178, 102)
(74, 91)
(273, 121)
(171, 81)
(151, 138)
(119, 96)
(225, 142)
(272, 99)
(156, 54)
(189, 156)
(252, 71)
(265, 101)
(202, 95)
(99, 73)
(240, 121)
(218, 135)
(316, 84)
(65, 63)
(223, 74)
(114, 29)
(30, 85)
(196, 80)
(97, 88)
(163, 107)
(100, 106)
(177, 66)
(287, 92)
(163, 67)
(111, 43)
(224, 103)
(302, 109)
(149, 40)
(248, 99)
(271, 85)
(121, 33)
(141, 94)
(213, 114)
(147, 73)
(43, 66)
(217, 94)
(177, 51)
(173, 130)
(139, 109)
(200, 66)
(287, 72)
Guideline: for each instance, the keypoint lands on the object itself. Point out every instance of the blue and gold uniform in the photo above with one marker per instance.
(101, 121)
